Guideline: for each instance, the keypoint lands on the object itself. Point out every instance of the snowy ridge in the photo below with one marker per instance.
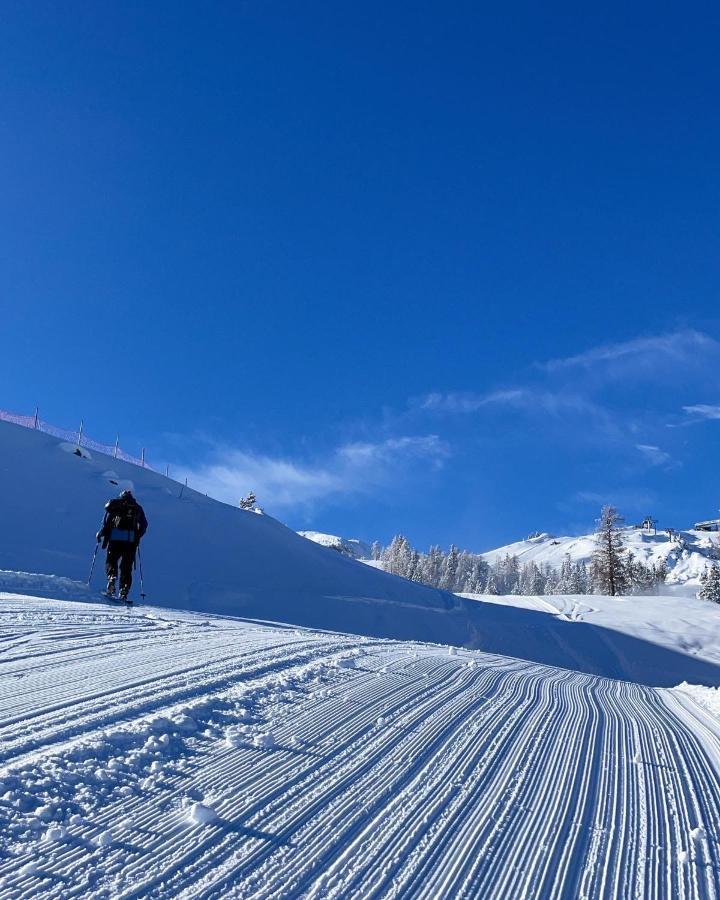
(686, 553)
(351, 547)
(156, 754)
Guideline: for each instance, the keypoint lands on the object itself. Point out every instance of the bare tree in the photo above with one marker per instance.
(608, 562)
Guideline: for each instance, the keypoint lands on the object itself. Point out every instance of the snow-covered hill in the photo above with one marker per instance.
(164, 752)
(351, 547)
(198, 553)
(686, 553)
(206, 556)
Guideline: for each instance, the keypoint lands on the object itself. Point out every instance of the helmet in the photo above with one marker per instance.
(126, 495)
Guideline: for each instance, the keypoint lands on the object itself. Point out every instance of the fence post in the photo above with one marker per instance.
(142, 457)
(117, 445)
(37, 418)
(80, 432)
(167, 471)
(182, 488)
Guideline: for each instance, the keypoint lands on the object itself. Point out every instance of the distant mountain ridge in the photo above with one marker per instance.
(351, 547)
(685, 553)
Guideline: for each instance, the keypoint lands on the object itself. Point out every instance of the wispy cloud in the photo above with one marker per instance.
(284, 484)
(702, 411)
(639, 354)
(559, 405)
(385, 453)
(469, 402)
(655, 456)
(621, 392)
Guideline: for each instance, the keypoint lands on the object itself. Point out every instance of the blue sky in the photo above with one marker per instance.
(446, 269)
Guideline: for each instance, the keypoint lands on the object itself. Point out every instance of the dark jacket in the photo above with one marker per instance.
(124, 521)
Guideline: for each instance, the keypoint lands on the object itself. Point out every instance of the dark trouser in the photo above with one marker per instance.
(122, 552)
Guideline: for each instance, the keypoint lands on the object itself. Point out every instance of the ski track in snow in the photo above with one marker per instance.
(147, 753)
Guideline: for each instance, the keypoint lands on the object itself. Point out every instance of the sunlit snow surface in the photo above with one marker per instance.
(153, 753)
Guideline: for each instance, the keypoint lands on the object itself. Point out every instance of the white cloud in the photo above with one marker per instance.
(602, 393)
(563, 404)
(678, 347)
(282, 484)
(703, 411)
(428, 446)
(469, 402)
(654, 455)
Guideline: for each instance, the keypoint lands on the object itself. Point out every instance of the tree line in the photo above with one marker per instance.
(612, 570)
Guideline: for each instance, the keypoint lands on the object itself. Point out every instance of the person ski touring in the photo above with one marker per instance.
(121, 531)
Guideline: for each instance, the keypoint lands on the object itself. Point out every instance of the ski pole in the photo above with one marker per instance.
(92, 567)
(142, 581)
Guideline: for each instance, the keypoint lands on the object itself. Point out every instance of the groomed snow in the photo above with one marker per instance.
(175, 749)
(155, 753)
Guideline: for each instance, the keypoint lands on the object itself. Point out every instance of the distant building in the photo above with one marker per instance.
(710, 525)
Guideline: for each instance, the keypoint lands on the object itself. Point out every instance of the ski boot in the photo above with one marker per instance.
(124, 591)
(110, 590)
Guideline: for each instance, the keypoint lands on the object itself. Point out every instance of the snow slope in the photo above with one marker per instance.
(198, 553)
(149, 753)
(204, 555)
(684, 624)
(686, 556)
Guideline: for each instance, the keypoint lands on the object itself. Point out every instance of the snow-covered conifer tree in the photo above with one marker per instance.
(510, 573)
(479, 577)
(660, 572)
(464, 571)
(396, 558)
(579, 579)
(564, 581)
(433, 566)
(491, 584)
(710, 584)
(552, 580)
(448, 576)
(536, 585)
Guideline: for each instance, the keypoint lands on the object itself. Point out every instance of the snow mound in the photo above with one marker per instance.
(202, 814)
(706, 697)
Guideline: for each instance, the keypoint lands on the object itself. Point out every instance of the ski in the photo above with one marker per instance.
(115, 599)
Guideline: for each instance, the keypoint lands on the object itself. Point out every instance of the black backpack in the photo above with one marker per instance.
(122, 514)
